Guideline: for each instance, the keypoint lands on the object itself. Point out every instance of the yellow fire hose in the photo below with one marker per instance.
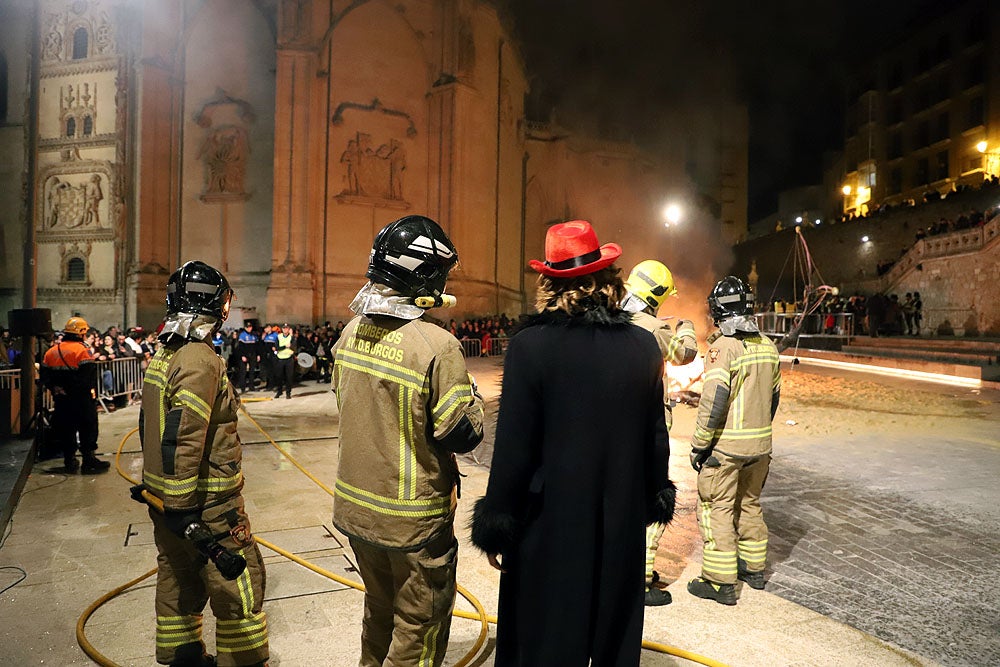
(479, 615)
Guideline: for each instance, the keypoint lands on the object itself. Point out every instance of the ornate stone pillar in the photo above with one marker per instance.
(158, 161)
(299, 170)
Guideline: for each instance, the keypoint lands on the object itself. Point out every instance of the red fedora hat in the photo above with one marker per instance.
(571, 249)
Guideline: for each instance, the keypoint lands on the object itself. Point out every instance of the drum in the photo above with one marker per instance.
(306, 361)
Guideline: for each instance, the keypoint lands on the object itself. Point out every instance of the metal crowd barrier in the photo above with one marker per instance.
(498, 346)
(473, 347)
(119, 377)
(115, 378)
(782, 323)
(10, 402)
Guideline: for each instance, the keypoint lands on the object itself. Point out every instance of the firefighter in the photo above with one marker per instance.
(407, 406)
(648, 286)
(69, 372)
(192, 462)
(731, 445)
(283, 367)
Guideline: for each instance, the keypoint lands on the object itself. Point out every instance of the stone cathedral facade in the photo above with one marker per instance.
(273, 139)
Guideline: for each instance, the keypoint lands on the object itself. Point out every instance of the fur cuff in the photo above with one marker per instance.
(663, 504)
(493, 532)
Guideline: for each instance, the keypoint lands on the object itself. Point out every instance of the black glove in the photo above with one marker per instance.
(177, 522)
(136, 493)
(698, 458)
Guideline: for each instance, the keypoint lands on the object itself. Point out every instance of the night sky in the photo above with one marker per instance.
(618, 67)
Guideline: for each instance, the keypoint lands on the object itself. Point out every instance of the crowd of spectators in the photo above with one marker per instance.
(875, 315)
(113, 343)
(929, 197)
(316, 341)
(484, 329)
(968, 219)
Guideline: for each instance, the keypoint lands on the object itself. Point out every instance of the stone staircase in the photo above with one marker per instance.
(971, 358)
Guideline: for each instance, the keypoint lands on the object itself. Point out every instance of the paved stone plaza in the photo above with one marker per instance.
(882, 505)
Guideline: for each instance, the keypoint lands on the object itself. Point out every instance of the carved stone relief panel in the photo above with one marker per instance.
(52, 36)
(76, 201)
(225, 147)
(224, 153)
(374, 173)
(83, 29)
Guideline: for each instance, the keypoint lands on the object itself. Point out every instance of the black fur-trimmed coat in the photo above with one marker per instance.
(579, 469)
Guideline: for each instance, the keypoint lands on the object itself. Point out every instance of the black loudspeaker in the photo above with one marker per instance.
(30, 321)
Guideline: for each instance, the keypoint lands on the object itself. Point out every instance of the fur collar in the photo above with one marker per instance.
(596, 317)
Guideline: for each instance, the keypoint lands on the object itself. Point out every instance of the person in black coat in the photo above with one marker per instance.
(579, 467)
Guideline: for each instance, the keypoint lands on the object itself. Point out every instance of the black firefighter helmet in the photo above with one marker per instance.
(199, 288)
(731, 297)
(413, 256)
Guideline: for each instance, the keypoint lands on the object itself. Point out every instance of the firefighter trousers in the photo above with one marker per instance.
(654, 532)
(409, 596)
(730, 517)
(185, 581)
(283, 375)
(75, 415)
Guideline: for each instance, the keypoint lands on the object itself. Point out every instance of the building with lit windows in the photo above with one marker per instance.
(924, 116)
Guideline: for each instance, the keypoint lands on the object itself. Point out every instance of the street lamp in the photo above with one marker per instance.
(672, 214)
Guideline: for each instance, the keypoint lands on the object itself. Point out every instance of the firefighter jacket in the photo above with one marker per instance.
(191, 450)
(677, 349)
(407, 405)
(740, 396)
(68, 369)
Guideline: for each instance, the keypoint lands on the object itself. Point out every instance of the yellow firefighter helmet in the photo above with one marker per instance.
(76, 325)
(652, 282)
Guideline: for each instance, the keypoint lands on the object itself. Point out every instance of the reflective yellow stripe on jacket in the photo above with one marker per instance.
(393, 506)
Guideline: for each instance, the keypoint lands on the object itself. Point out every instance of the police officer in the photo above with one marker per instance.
(268, 364)
(192, 462)
(69, 372)
(648, 286)
(218, 342)
(248, 355)
(284, 362)
(731, 445)
(407, 406)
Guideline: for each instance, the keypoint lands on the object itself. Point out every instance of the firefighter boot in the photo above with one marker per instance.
(657, 597)
(754, 580)
(192, 655)
(93, 465)
(721, 593)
